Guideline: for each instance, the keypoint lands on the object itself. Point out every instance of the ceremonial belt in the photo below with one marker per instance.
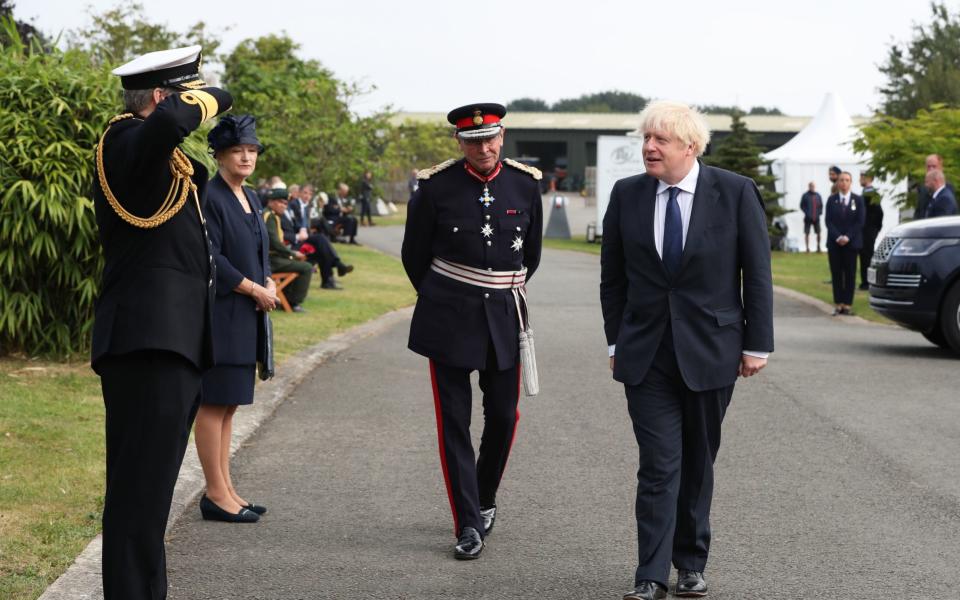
(501, 280)
(496, 280)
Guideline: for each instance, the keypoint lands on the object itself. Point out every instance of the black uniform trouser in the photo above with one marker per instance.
(471, 485)
(866, 253)
(151, 398)
(843, 273)
(678, 433)
(366, 210)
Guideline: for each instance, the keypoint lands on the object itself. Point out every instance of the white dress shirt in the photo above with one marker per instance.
(687, 186)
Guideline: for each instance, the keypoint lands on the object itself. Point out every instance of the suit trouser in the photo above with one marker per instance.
(324, 256)
(296, 291)
(470, 485)
(678, 433)
(843, 273)
(151, 398)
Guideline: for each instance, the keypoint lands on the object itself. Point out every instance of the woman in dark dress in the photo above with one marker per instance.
(239, 245)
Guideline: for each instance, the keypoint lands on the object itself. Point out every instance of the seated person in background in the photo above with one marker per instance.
(318, 249)
(337, 211)
(282, 258)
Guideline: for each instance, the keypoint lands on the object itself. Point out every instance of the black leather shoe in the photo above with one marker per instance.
(469, 544)
(690, 584)
(212, 512)
(647, 590)
(260, 510)
(330, 284)
(297, 308)
(489, 516)
(343, 269)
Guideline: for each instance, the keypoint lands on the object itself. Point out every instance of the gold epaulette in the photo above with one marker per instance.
(430, 171)
(531, 171)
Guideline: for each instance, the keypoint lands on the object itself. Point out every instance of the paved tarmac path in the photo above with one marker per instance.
(837, 477)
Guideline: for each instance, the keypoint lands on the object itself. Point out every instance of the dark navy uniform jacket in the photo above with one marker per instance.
(455, 322)
(238, 251)
(157, 287)
(846, 221)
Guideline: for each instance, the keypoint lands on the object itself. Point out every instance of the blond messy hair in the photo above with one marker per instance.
(677, 119)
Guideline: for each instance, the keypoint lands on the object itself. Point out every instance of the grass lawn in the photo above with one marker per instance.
(800, 271)
(51, 428)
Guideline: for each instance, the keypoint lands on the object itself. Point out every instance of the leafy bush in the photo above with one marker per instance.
(53, 108)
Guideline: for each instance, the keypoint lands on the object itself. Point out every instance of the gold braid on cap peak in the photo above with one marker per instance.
(180, 187)
(531, 171)
(430, 171)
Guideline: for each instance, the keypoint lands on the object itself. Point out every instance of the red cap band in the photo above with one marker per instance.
(469, 121)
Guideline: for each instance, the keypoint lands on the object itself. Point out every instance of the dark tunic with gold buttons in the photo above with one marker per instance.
(454, 322)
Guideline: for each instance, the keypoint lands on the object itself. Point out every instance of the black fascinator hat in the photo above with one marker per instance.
(233, 130)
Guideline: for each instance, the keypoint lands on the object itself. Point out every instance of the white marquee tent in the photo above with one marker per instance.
(824, 142)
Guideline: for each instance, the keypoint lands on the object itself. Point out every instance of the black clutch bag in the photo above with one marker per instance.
(265, 365)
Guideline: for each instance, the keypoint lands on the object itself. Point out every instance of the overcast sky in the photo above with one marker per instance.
(432, 56)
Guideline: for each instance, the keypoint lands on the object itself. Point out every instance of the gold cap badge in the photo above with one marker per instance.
(477, 118)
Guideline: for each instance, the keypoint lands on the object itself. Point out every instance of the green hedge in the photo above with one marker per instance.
(53, 107)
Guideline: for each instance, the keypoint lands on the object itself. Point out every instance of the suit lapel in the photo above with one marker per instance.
(704, 200)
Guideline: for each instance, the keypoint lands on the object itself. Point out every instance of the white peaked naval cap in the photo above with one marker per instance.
(177, 67)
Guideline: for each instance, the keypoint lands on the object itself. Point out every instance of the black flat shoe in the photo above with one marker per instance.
(260, 510)
(489, 517)
(690, 584)
(212, 512)
(469, 544)
(646, 590)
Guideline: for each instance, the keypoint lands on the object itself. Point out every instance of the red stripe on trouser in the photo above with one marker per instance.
(443, 450)
(516, 422)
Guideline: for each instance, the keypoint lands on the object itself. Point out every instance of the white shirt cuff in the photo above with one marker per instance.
(612, 349)
(756, 354)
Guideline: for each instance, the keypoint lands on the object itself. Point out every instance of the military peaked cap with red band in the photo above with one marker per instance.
(477, 121)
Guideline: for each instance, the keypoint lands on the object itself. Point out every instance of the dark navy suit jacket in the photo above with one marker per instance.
(719, 303)
(237, 254)
(846, 221)
(944, 204)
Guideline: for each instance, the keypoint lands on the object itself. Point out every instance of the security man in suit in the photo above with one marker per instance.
(472, 240)
(844, 216)
(687, 299)
(872, 225)
(941, 200)
(151, 333)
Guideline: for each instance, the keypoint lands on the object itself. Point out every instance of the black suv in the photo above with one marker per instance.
(915, 278)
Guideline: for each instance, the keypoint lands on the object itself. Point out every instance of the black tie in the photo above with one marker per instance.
(672, 233)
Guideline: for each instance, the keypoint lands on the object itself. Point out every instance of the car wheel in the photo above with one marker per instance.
(935, 336)
(950, 317)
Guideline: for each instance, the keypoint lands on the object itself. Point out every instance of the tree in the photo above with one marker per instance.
(717, 109)
(123, 33)
(926, 70)
(763, 110)
(739, 152)
(303, 114)
(610, 101)
(528, 105)
(26, 32)
(898, 147)
(413, 145)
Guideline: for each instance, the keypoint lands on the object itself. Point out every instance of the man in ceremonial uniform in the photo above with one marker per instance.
(151, 335)
(472, 239)
(282, 258)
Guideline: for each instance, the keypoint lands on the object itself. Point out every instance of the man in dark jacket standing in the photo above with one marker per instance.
(872, 225)
(811, 203)
(151, 334)
(472, 240)
(844, 218)
(687, 300)
(941, 201)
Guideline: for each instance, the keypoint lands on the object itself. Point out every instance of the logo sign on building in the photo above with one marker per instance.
(618, 156)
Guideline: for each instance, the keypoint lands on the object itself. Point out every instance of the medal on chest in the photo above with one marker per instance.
(486, 198)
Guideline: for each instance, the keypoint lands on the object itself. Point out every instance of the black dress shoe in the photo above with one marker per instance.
(343, 269)
(297, 308)
(647, 590)
(260, 510)
(690, 584)
(469, 544)
(330, 284)
(212, 512)
(489, 516)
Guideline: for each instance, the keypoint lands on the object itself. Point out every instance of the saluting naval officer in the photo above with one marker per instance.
(151, 335)
(472, 240)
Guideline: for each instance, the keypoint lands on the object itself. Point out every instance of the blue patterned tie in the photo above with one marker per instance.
(672, 233)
